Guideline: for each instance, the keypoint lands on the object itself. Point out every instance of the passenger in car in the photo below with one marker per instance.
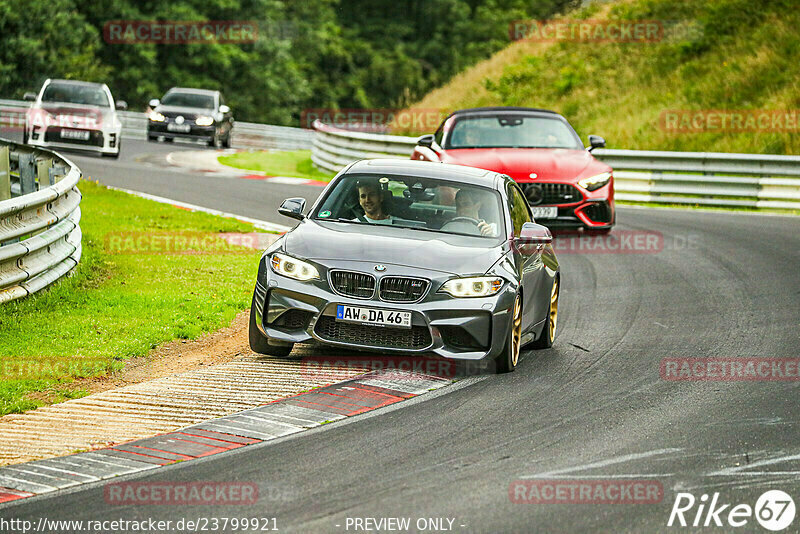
(372, 199)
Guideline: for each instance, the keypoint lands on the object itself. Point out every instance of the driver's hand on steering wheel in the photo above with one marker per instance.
(485, 228)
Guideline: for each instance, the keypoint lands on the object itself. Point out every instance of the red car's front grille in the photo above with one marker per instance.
(549, 194)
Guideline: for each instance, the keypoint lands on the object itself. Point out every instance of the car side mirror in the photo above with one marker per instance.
(122, 105)
(154, 102)
(535, 234)
(30, 97)
(224, 109)
(293, 207)
(595, 141)
(426, 140)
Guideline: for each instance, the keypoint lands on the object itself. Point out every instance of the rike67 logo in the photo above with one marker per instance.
(774, 510)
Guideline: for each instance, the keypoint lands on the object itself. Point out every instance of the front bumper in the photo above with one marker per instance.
(289, 311)
(160, 129)
(578, 208)
(100, 141)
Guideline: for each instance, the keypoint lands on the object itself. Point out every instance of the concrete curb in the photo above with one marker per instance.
(291, 415)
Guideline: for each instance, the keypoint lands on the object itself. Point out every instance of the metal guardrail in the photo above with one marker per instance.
(134, 126)
(693, 178)
(40, 240)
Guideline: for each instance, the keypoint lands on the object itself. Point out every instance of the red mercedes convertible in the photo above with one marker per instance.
(564, 184)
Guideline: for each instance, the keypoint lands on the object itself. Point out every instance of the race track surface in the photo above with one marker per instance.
(595, 407)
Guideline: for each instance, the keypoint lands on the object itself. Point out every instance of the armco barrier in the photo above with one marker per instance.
(40, 240)
(134, 126)
(694, 178)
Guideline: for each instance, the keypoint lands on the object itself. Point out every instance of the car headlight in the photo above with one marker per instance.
(204, 121)
(595, 182)
(479, 286)
(293, 268)
(155, 116)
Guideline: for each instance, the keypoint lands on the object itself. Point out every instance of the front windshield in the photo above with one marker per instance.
(511, 131)
(75, 94)
(188, 100)
(423, 204)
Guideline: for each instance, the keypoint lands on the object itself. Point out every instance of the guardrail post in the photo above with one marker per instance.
(56, 174)
(5, 174)
(27, 174)
(43, 175)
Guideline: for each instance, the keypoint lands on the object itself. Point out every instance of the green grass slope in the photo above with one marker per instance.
(134, 289)
(725, 55)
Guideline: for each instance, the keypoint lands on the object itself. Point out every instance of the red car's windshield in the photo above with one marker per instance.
(511, 131)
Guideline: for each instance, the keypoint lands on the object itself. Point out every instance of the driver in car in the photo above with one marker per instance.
(371, 198)
(468, 205)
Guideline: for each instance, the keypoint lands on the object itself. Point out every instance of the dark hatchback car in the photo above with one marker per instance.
(196, 114)
(410, 257)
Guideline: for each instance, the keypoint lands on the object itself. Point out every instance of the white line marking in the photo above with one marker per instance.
(739, 470)
(604, 463)
(71, 473)
(603, 477)
(264, 225)
(288, 180)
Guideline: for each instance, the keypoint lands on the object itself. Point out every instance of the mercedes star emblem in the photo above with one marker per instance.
(534, 194)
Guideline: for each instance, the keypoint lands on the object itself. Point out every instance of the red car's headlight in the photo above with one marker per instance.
(595, 182)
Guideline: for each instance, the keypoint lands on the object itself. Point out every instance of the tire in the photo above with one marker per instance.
(116, 154)
(215, 141)
(600, 231)
(507, 361)
(152, 138)
(259, 342)
(545, 340)
(226, 143)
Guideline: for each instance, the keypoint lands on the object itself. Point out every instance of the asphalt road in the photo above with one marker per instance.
(593, 407)
(142, 167)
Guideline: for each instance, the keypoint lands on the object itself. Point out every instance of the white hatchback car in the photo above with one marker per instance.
(75, 115)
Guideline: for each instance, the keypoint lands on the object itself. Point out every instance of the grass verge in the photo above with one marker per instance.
(714, 55)
(296, 164)
(125, 297)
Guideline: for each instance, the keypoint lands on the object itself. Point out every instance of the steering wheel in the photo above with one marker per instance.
(476, 222)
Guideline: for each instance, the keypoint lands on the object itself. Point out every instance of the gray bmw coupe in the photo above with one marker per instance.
(414, 258)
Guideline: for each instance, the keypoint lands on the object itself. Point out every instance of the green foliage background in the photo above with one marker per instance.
(309, 53)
